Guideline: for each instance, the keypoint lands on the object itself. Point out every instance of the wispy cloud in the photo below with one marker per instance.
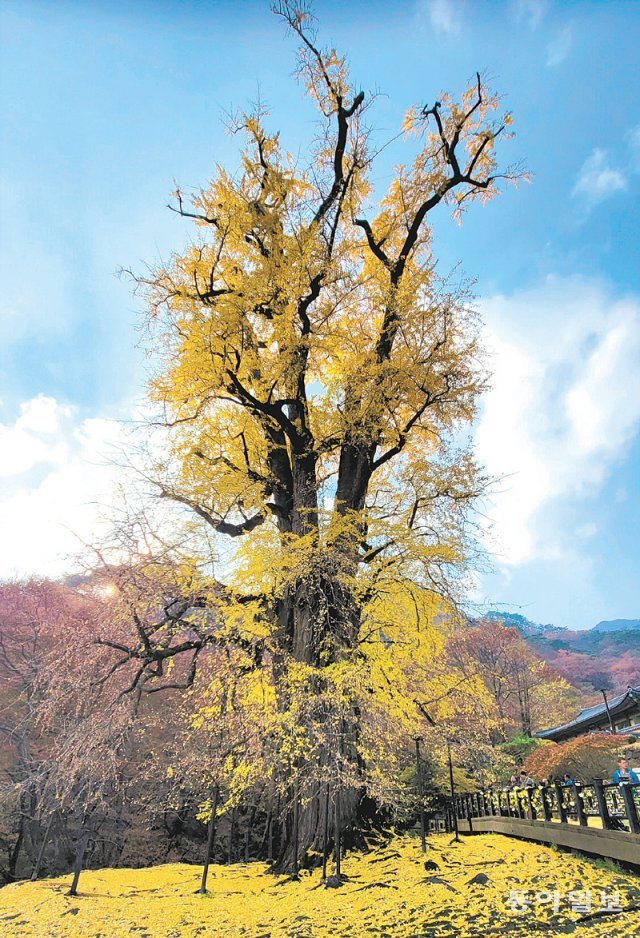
(559, 47)
(564, 406)
(598, 179)
(530, 12)
(444, 15)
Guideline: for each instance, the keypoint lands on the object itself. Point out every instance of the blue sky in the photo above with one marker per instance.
(104, 104)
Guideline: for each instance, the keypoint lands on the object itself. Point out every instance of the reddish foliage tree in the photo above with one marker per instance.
(526, 692)
(584, 758)
(38, 618)
(67, 729)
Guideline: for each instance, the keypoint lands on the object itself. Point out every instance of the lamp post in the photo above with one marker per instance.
(418, 740)
(453, 792)
(606, 703)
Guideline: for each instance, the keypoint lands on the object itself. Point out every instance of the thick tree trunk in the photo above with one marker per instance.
(316, 817)
(319, 623)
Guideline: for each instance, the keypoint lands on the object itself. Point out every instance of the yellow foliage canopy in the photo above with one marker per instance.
(314, 378)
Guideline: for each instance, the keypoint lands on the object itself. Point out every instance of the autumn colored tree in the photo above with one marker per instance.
(87, 774)
(584, 758)
(313, 372)
(21, 655)
(524, 692)
(67, 732)
(85, 756)
(36, 618)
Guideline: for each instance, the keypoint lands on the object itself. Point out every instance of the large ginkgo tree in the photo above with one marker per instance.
(315, 379)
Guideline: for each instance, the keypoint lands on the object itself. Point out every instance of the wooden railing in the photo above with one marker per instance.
(599, 804)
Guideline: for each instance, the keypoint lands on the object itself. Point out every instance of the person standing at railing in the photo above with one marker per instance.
(624, 774)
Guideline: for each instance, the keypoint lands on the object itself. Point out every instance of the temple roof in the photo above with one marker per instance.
(593, 715)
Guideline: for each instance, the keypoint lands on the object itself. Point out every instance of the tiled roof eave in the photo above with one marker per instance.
(595, 715)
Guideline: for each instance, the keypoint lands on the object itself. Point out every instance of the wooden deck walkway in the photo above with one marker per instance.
(599, 819)
(612, 845)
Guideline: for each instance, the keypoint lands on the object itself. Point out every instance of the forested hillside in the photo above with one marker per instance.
(605, 656)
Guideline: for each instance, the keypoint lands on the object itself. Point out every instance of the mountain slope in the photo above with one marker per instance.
(604, 657)
(618, 625)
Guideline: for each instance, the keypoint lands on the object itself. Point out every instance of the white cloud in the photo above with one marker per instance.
(531, 12)
(559, 47)
(443, 14)
(57, 475)
(30, 441)
(564, 406)
(597, 180)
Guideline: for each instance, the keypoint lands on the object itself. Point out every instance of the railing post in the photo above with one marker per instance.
(630, 808)
(580, 813)
(532, 810)
(521, 811)
(603, 807)
(562, 811)
(546, 810)
(511, 807)
(614, 799)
